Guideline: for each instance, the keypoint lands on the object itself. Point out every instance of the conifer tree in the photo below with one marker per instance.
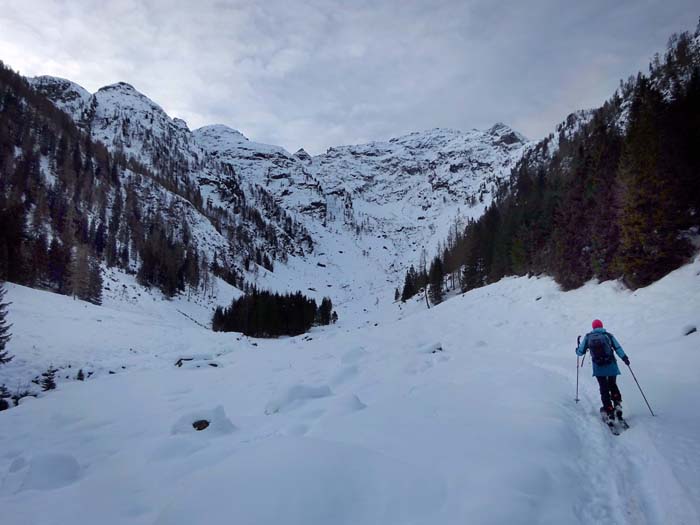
(12, 234)
(40, 260)
(409, 286)
(435, 278)
(49, 379)
(325, 311)
(59, 266)
(5, 356)
(649, 241)
(4, 396)
(266, 314)
(94, 289)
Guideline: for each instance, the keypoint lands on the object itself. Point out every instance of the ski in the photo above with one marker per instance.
(610, 423)
(613, 428)
(622, 422)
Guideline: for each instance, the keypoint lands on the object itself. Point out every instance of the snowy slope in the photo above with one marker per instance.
(410, 189)
(359, 425)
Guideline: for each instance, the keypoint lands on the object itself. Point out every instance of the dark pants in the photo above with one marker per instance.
(609, 392)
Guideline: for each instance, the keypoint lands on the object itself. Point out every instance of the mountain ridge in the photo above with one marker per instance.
(403, 190)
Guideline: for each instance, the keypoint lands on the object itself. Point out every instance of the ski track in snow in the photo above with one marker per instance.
(461, 413)
(627, 475)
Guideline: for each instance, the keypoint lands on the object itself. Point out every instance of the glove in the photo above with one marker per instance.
(626, 360)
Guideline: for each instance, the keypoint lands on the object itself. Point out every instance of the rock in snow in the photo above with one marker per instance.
(218, 423)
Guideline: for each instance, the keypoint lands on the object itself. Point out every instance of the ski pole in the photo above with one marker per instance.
(642, 391)
(577, 358)
(577, 367)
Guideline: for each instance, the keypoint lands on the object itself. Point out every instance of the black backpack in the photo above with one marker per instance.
(601, 348)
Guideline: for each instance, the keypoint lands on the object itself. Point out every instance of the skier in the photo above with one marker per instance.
(601, 344)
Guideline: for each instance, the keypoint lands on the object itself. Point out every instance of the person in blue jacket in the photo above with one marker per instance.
(602, 344)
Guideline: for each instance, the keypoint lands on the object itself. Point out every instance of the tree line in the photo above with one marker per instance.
(619, 197)
(268, 314)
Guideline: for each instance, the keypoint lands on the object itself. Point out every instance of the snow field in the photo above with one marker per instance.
(360, 425)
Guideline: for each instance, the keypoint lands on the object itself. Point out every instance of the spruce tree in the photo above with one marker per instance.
(40, 259)
(49, 382)
(435, 278)
(571, 236)
(59, 266)
(94, 288)
(325, 311)
(5, 356)
(409, 286)
(649, 242)
(4, 395)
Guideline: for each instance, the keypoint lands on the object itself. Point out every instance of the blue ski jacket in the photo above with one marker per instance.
(608, 370)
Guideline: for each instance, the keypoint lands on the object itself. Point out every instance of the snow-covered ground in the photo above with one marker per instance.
(463, 413)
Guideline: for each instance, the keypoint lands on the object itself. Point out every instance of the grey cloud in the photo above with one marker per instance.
(318, 73)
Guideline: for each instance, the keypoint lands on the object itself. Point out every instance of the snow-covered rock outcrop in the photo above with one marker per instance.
(66, 95)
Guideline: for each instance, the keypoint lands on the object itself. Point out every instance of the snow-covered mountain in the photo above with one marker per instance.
(66, 95)
(380, 202)
(122, 119)
(411, 188)
(406, 191)
(129, 124)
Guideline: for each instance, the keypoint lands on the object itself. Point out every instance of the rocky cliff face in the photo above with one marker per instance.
(406, 191)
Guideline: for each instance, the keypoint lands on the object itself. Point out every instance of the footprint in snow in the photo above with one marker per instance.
(45, 471)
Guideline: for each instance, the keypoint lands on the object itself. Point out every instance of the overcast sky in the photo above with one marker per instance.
(317, 73)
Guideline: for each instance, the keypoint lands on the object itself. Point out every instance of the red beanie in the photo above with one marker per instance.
(597, 324)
